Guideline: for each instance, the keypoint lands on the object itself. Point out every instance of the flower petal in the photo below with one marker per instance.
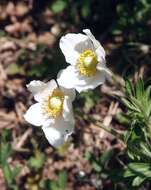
(70, 78)
(67, 91)
(104, 69)
(36, 87)
(53, 136)
(58, 133)
(70, 92)
(65, 78)
(39, 88)
(68, 110)
(73, 44)
(34, 115)
(50, 86)
(100, 55)
(91, 82)
(96, 43)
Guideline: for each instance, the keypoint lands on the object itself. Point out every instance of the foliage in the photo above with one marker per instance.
(37, 162)
(52, 62)
(100, 163)
(81, 8)
(136, 171)
(5, 152)
(128, 18)
(133, 17)
(138, 103)
(59, 184)
(58, 6)
(87, 100)
(137, 137)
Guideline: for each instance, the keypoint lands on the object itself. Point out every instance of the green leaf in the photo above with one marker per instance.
(127, 135)
(138, 169)
(85, 8)
(38, 161)
(129, 88)
(138, 180)
(88, 99)
(6, 133)
(97, 167)
(139, 89)
(62, 181)
(54, 185)
(106, 156)
(58, 6)
(123, 118)
(5, 152)
(129, 105)
(8, 174)
(15, 69)
(16, 171)
(13, 187)
(145, 149)
(2, 33)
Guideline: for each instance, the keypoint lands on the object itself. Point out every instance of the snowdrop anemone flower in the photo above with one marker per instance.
(87, 59)
(53, 110)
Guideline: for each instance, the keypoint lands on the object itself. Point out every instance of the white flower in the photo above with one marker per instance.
(53, 110)
(87, 59)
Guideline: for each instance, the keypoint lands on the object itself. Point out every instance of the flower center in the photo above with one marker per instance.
(53, 104)
(87, 63)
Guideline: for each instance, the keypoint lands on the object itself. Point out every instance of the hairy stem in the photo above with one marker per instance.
(105, 128)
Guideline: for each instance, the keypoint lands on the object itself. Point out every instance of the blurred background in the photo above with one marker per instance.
(29, 49)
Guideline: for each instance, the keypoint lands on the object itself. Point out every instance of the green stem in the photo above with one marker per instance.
(107, 129)
(117, 81)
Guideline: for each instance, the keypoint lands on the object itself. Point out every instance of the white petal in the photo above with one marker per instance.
(67, 110)
(34, 115)
(53, 136)
(65, 77)
(100, 55)
(95, 42)
(58, 133)
(36, 87)
(70, 54)
(91, 82)
(91, 36)
(67, 91)
(70, 92)
(70, 78)
(39, 89)
(50, 86)
(84, 45)
(104, 69)
(49, 121)
(73, 44)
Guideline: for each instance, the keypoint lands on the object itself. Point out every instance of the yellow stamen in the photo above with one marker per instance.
(53, 104)
(87, 63)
